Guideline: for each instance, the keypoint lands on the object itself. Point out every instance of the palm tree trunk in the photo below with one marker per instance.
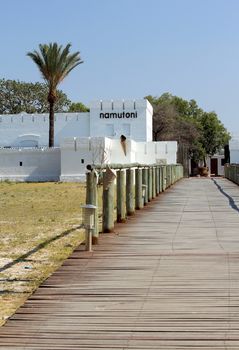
(51, 125)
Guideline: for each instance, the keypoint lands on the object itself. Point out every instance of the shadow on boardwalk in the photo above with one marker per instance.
(230, 199)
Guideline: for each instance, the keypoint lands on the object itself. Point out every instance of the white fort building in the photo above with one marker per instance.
(93, 137)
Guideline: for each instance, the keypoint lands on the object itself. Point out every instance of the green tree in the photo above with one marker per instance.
(173, 119)
(214, 135)
(17, 96)
(78, 107)
(199, 134)
(54, 63)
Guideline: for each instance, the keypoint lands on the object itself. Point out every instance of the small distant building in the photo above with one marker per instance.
(216, 163)
(80, 139)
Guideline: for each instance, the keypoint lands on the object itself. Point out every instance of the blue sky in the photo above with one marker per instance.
(132, 48)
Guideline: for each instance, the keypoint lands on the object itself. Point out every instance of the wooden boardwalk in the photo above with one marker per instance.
(168, 279)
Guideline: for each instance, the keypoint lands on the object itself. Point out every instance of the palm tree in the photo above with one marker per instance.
(54, 63)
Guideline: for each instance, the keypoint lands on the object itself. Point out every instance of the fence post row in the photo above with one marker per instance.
(136, 185)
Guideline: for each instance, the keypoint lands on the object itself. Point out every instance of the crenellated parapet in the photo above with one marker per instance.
(107, 118)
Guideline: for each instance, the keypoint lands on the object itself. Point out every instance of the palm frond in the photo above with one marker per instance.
(55, 62)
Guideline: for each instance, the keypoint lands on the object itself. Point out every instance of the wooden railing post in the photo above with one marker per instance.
(130, 202)
(164, 178)
(138, 189)
(153, 182)
(160, 179)
(108, 207)
(150, 184)
(121, 211)
(168, 176)
(145, 183)
(157, 180)
(92, 198)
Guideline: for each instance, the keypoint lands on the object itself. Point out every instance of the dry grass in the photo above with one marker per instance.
(39, 229)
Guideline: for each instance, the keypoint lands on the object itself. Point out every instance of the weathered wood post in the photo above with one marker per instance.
(171, 174)
(108, 206)
(157, 180)
(164, 178)
(92, 198)
(160, 178)
(138, 189)
(153, 182)
(130, 203)
(145, 184)
(121, 210)
(167, 176)
(150, 184)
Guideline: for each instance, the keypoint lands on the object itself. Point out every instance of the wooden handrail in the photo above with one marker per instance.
(135, 185)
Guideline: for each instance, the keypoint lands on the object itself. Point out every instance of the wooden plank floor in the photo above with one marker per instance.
(168, 279)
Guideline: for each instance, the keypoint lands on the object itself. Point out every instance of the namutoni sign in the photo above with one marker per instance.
(121, 115)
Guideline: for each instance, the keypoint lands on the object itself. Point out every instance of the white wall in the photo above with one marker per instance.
(117, 154)
(30, 164)
(83, 140)
(68, 163)
(77, 153)
(156, 152)
(139, 128)
(32, 129)
(18, 128)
